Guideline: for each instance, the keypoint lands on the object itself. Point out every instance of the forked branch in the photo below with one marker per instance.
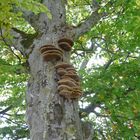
(91, 21)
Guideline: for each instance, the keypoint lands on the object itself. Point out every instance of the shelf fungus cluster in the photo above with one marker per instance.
(50, 52)
(68, 84)
(65, 43)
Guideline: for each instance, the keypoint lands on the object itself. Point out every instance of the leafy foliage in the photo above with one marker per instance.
(12, 12)
(111, 86)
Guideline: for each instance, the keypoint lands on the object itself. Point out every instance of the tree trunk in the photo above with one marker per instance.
(49, 115)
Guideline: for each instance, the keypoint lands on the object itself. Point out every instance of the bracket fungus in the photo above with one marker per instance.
(71, 94)
(63, 65)
(66, 82)
(69, 83)
(61, 87)
(50, 52)
(65, 93)
(69, 78)
(65, 43)
(61, 71)
(73, 76)
(51, 56)
(71, 71)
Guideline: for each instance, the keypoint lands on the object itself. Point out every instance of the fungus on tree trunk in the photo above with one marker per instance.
(65, 43)
(68, 84)
(50, 52)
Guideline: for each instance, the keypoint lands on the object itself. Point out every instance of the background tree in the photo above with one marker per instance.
(103, 31)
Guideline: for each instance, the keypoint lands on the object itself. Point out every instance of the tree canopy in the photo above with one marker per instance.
(106, 57)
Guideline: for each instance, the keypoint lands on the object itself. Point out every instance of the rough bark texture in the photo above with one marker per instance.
(50, 116)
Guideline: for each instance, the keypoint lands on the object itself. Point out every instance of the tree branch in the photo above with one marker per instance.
(14, 122)
(35, 20)
(57, 9)
(92, 20)
(88, 24)
(6, 110)
(92, 49)
(31, 18)
(20, 41)
(7, 44)
(106, 66)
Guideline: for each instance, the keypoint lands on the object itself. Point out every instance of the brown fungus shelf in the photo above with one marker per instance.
(65, 46)
(65, 93)
(73, 76)
(65, 43)
(51, 56)
(50, 52)
(49, 47)
(61, 71)
(62, 87)
(70, 94)
(66, 82)
(69, 83)
(63, 65)
(68, 40)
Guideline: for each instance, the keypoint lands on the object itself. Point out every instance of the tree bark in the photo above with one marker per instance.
(49, 115)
